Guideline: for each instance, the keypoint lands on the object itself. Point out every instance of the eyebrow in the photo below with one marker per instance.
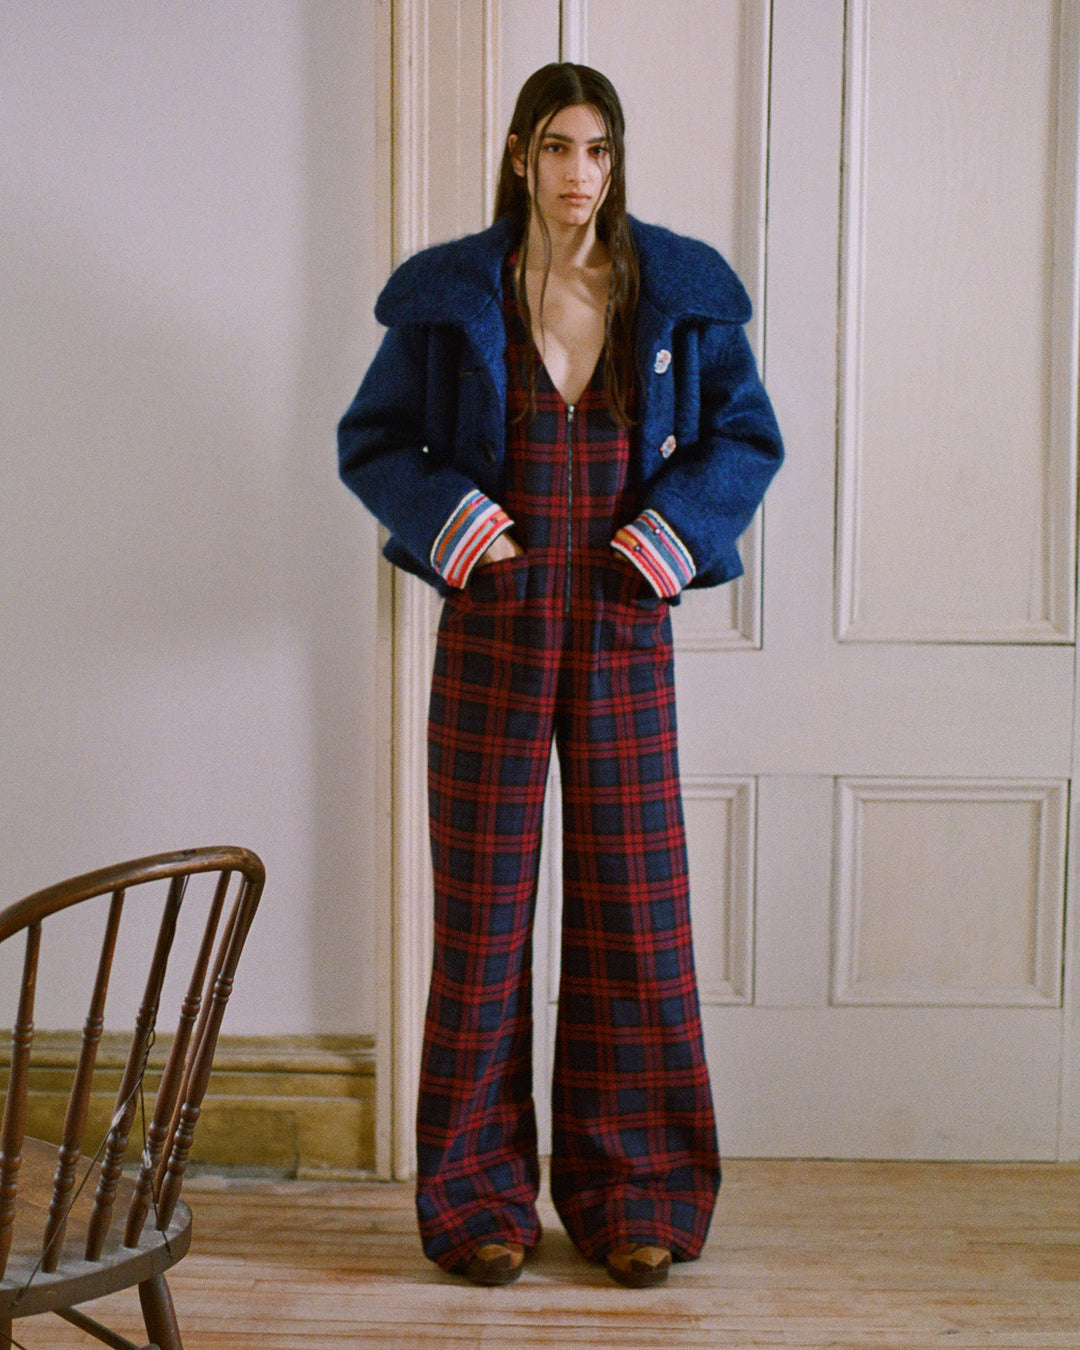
(569, 140)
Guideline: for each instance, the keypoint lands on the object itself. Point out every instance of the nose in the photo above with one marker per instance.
(576, 165)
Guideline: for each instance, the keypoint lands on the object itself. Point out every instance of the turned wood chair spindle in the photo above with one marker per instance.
(79, 1102)
(127, 1101)
(73, 1226)
(14, 1125)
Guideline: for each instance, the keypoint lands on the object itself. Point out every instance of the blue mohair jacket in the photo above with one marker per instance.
(428, 424)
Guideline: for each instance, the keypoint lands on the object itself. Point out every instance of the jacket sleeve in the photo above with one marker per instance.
(706, 493)
(435, 513)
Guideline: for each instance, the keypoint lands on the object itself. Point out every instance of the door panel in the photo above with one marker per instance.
(958, 432)
(949, 893)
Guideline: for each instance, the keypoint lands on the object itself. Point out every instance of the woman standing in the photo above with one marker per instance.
(562, 429)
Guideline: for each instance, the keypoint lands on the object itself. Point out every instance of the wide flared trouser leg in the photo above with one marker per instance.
(490, 732)
(634, 1151)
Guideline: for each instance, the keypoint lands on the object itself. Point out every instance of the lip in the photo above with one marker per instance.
(575, 198)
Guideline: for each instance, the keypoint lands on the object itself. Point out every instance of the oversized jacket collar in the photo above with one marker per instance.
(456, 282)
(459, 285)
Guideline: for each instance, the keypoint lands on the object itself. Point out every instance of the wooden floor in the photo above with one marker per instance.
(813, 1255)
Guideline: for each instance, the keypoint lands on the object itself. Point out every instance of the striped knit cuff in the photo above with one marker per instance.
(475, 523)
(657, 552)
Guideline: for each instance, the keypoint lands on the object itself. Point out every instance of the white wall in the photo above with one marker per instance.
(192, 235)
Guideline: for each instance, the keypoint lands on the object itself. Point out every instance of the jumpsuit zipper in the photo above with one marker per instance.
(569, 505)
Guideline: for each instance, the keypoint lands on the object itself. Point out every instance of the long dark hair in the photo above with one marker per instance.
(544, 94)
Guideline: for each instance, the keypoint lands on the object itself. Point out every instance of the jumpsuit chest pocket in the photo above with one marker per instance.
(502, 584)
(620, 585)
(632, 624)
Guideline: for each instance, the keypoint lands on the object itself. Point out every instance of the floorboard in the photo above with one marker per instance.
(821, 1256)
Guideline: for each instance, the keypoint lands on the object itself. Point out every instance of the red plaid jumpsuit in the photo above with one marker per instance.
(566, 644)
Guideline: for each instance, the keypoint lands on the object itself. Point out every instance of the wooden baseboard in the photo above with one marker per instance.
(293, 1104)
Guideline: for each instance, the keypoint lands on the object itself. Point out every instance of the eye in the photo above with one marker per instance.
(599, 151)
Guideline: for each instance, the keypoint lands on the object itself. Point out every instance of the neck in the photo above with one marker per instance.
(574, 248)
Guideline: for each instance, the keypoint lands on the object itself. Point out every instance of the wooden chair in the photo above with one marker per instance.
(72, 1227)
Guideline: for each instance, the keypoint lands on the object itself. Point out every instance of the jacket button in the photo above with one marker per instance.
(663, 360)
(668, 447)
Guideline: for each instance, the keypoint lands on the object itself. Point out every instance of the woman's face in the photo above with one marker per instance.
(572, 166)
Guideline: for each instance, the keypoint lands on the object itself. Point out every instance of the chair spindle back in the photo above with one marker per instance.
(184, 1078)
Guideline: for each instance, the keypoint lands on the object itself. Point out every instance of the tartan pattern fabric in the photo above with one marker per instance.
(567, 644)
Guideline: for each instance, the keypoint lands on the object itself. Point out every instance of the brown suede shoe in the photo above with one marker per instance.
(638, 1265)
(495, 1263)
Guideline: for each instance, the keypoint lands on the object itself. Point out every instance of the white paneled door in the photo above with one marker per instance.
(877, 722)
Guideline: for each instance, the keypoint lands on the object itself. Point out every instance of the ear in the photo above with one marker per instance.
(518, 161)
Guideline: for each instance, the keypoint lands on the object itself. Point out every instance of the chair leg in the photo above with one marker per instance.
(159, 1314)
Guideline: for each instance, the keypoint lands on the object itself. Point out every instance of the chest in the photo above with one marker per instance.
(568, 328)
